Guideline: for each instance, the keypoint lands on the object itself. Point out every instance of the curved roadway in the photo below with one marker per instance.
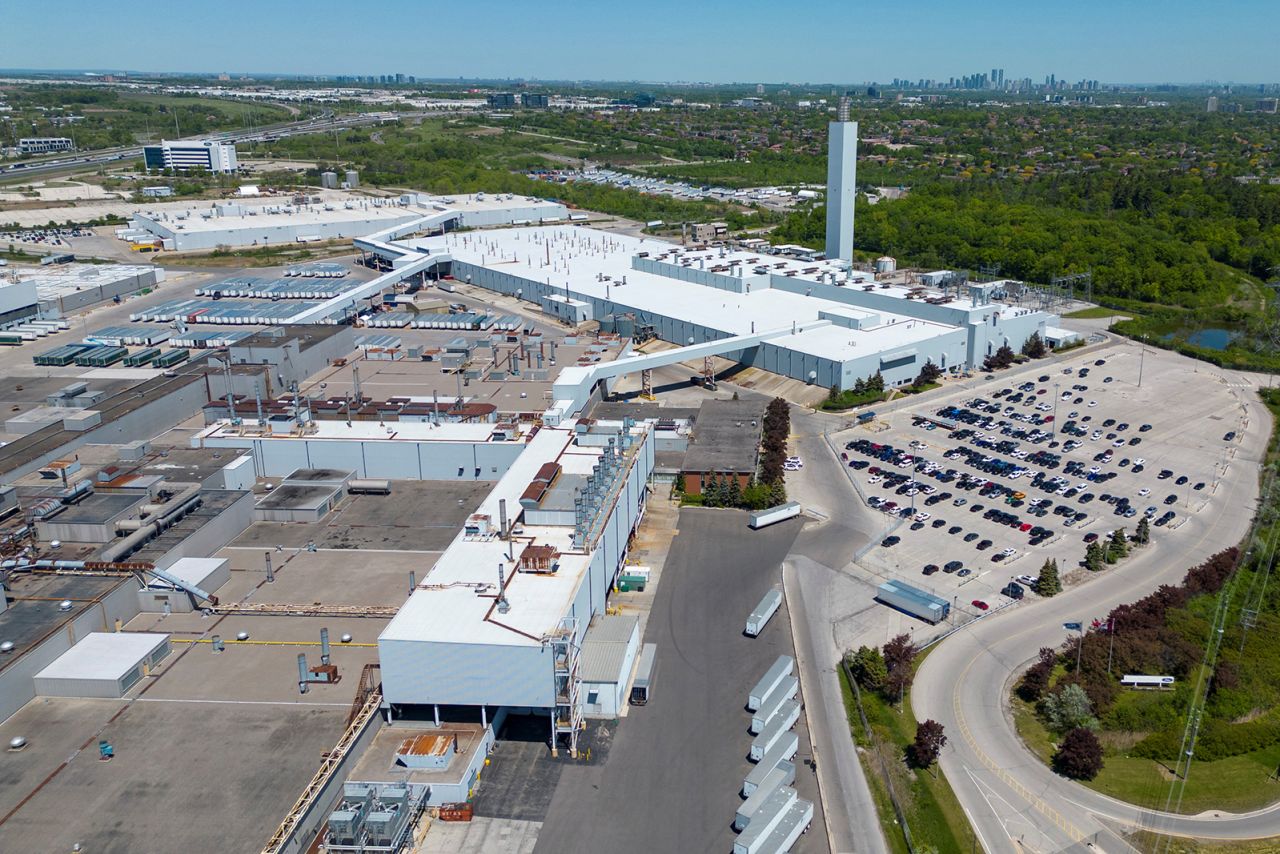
(1015, 802)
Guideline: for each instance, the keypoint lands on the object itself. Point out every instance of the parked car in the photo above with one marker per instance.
(980, 605)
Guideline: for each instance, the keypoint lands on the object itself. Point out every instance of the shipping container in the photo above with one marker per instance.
(785, 691)
(793, 824)
(776, 778)
(914, 601)
(763, 612)
(168, 360)
(767, 817)
(762, 518)
(101, 357)
(141, 358)
(783, 751)
(778, 727)
(781, 669)
(643, 684)
(10, 340)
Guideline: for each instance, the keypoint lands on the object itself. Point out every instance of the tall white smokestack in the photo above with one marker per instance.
(842, 180)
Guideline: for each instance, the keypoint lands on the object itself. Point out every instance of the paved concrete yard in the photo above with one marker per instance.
(673, 777)
(480, 836)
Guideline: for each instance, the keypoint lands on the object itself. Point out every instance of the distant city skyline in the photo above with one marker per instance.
(1116, 41)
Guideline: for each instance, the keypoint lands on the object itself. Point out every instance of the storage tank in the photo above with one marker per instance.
(885, 264)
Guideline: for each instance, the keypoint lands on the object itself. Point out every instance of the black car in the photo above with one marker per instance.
(890, 541)
(916, 526)
(1099, 363)
(1170, 499)
(970, 537)
(1144, 428)
(954, 529)
(1229, 436)
(952, 565)
(1165, 474)
(1013, 590)
(930, 568)
(1135, 441)
(1181, 480)
(985, 544)
(1199, 485)
(1044, 378)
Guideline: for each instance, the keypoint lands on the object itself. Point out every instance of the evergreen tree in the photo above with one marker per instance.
(868, 668)
(1034, 346)
(734, 496)
(1142, 535)
(1049, 584)
(1094, 556)
(1117, 546)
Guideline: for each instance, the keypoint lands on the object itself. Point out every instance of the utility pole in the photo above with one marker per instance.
(1111, 630)
(1142, 360)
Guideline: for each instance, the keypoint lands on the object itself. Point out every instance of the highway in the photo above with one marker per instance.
(74, 162)
(1014, 801)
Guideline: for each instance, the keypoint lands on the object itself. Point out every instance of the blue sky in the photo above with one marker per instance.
(662, 40)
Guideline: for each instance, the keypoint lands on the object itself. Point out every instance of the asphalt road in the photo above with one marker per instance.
(822, 552)
(675, 768)
(1015, 802)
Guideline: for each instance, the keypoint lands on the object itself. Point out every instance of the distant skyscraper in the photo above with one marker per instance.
(842, 175)
(1211, 106)
(759, 88)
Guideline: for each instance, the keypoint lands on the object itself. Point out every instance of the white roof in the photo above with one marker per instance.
(192, 570)
(582, 257)
(403, 431)
(103, 655)
(455, 601)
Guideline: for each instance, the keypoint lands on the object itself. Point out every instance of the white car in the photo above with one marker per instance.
(1118, 443)
(1009, 552)
(1027, 580)
(795, 461)
(1093, 403)
(1144, 492)
(1140, 461)
(922, 517)
(1094, 470)
(790, 467)
(875, 478)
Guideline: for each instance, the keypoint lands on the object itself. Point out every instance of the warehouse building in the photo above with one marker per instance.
(829, 325)
(236, 224)
(498, 623)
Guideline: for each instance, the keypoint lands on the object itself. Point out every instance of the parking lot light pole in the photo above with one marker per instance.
(1056, 395)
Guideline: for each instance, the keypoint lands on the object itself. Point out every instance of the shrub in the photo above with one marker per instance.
(1079, 755)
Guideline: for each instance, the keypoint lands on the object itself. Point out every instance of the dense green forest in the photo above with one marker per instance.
(1155, 237)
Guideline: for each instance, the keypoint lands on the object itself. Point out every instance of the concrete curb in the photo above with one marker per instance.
(808, 718)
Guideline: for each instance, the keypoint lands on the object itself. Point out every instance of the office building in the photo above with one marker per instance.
(1211, 106)
(185, 155)
(535, 100)
(502, 100)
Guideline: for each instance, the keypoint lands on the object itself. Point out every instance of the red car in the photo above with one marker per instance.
(980, 605)
(1089, 538)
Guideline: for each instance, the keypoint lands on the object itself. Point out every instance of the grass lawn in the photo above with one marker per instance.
(1236, 784)
(1098, 312)
(1148, 843)
(933, 814)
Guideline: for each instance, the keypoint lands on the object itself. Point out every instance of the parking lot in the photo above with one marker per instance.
(989, 483)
